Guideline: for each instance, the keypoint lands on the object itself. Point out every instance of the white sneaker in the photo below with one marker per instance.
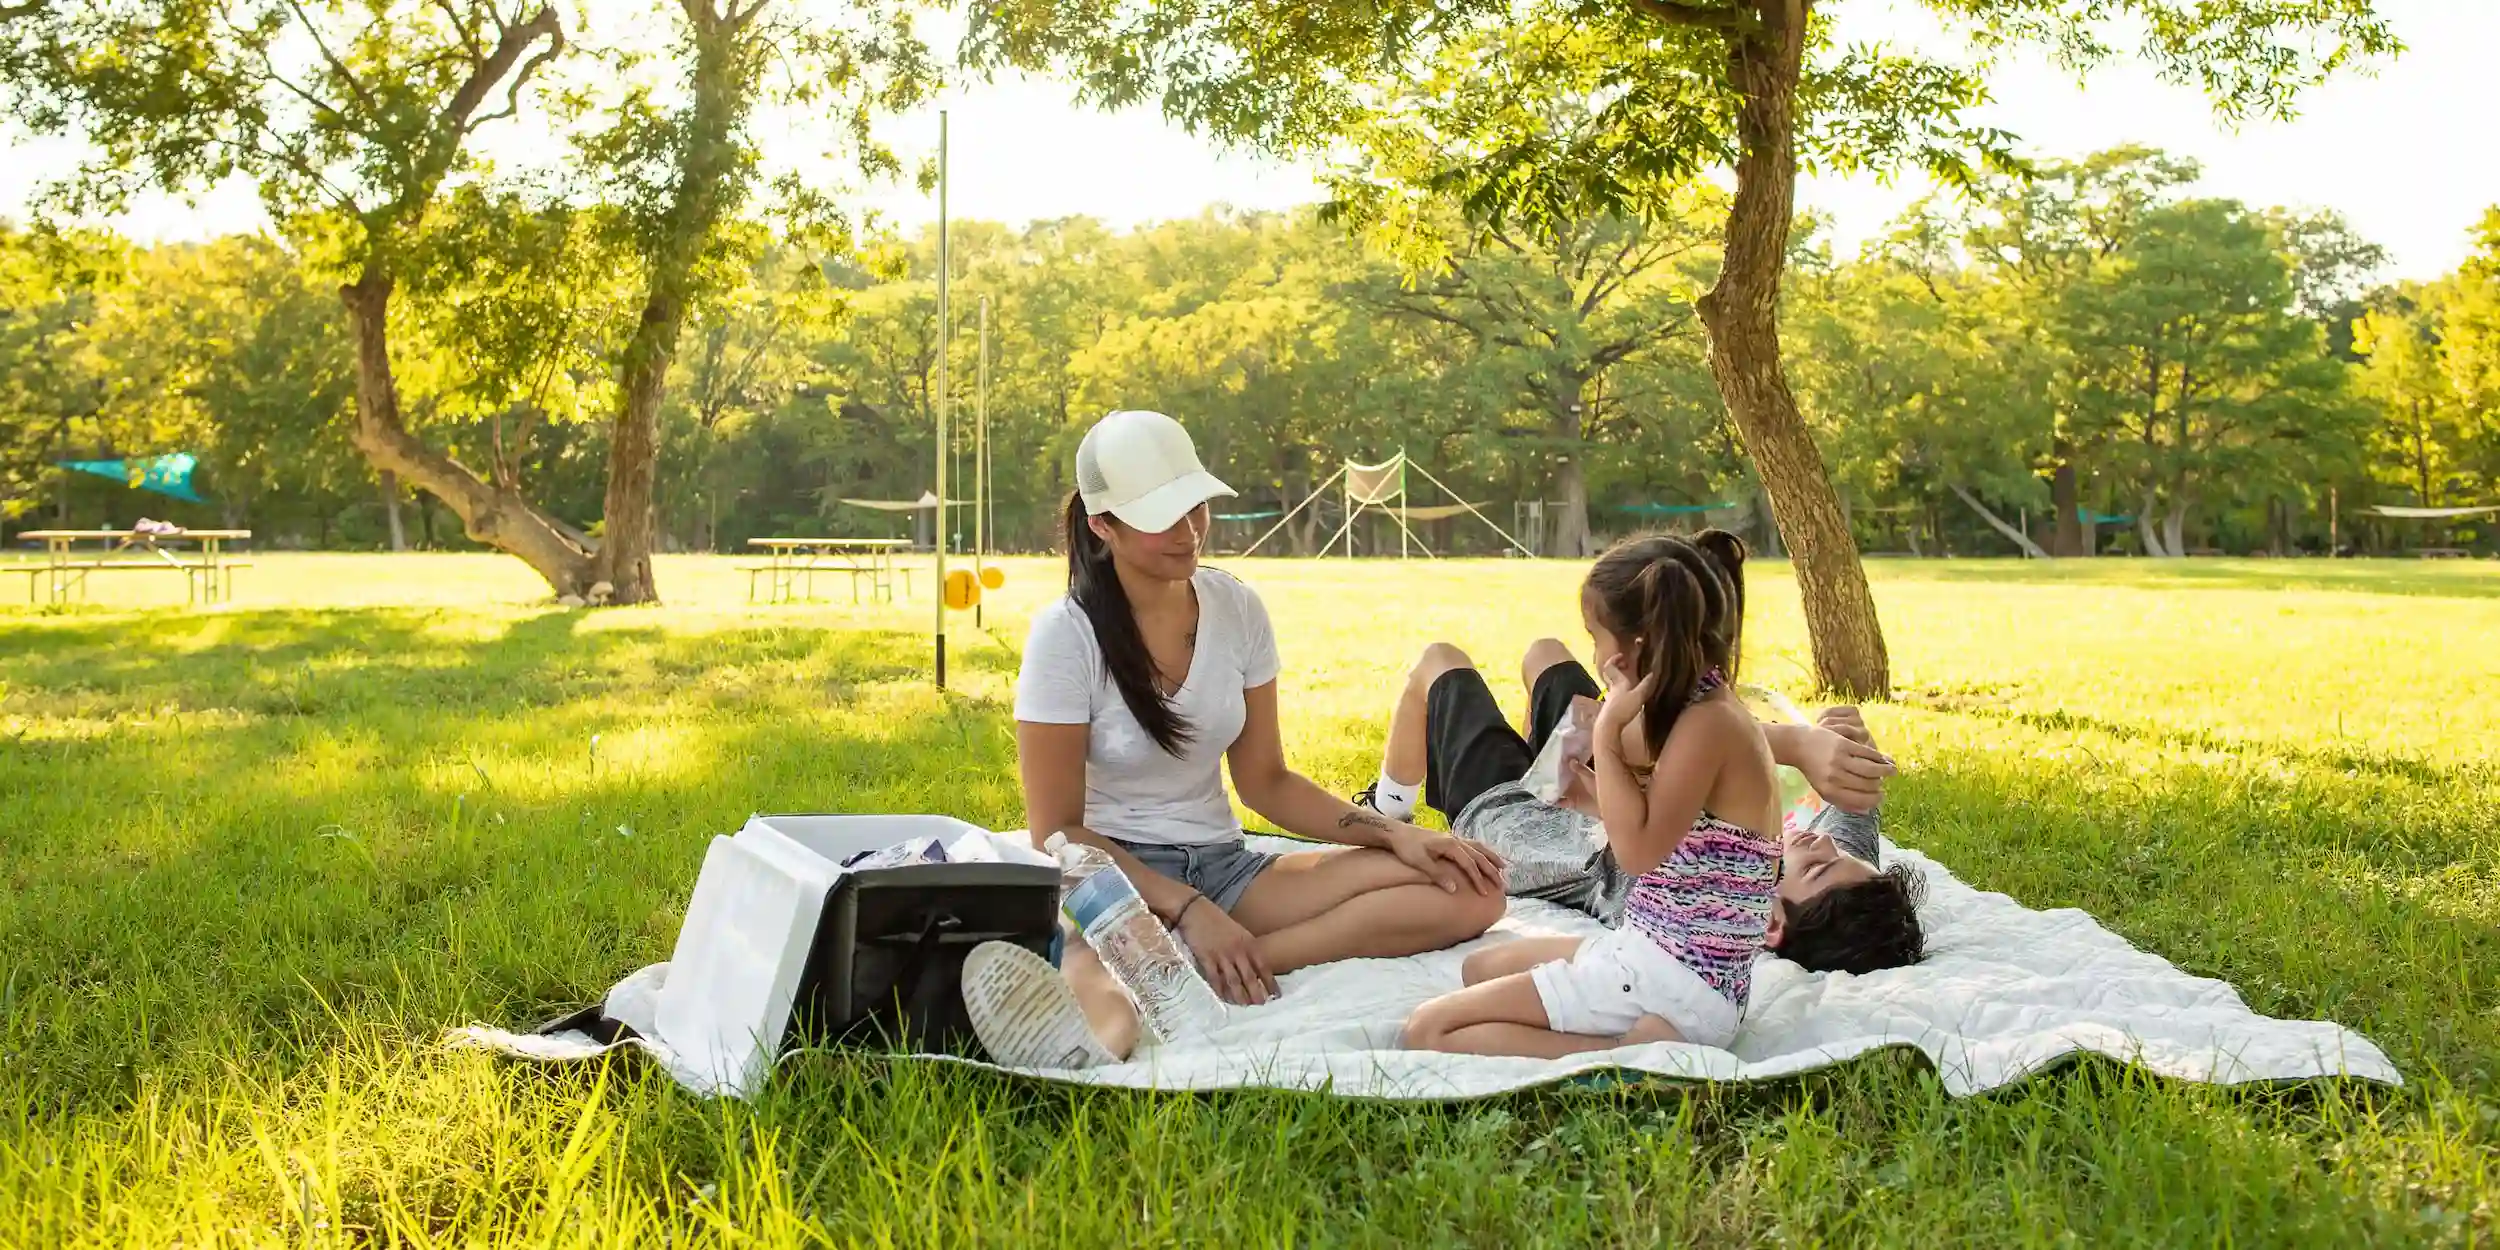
(1025, 1013)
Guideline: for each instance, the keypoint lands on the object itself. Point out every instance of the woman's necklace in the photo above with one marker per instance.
(1165, 680)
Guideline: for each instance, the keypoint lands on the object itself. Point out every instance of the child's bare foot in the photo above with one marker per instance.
(1649, 1029)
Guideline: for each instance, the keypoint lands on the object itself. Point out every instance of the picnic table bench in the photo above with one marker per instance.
(788, 573)
(208, 574)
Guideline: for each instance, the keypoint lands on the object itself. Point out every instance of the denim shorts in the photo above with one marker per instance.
(1222, 871)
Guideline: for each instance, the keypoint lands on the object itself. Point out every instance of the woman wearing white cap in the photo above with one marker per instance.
(1136, 690)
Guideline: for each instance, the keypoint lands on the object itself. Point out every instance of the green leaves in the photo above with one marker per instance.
(1646, 82)
(2089, 318)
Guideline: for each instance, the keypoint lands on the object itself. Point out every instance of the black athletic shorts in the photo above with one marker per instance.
(1470, 747)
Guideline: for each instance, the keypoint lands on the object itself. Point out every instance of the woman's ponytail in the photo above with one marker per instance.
(1094, 585)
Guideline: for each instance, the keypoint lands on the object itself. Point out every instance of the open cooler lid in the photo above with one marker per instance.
(739, 954)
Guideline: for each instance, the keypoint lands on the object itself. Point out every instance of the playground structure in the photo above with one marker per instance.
(1381, 489)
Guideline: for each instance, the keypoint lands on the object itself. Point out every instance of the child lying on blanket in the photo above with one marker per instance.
(1694, 821)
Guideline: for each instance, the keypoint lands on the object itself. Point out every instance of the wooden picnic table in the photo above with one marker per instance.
(790, 563)
(207, 572)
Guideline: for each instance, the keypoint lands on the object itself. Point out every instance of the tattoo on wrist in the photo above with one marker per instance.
(1367, 819)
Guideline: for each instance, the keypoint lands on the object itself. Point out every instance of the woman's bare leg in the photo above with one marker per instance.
(1108, 1011)
(1510, 958)
(1403, 758)
(1320, 906)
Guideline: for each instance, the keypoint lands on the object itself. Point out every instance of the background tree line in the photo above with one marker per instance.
(2089, 358)
(1448, 128)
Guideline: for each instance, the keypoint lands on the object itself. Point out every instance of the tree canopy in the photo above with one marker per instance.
(1656, 92)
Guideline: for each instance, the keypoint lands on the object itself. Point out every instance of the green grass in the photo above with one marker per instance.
(254, 861)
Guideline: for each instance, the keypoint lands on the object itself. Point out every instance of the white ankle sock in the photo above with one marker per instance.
(1394, 799)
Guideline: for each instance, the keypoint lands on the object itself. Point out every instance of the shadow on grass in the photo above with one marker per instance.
(237, 847)
(2449, 579)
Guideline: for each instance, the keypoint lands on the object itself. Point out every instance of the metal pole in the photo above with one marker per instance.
(938, 527)
(981, 460)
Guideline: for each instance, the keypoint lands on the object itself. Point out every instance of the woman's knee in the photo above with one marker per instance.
(1542, 654)
(1471, 912)
(1437, 659)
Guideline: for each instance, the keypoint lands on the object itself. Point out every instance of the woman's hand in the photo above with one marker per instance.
(1449, 861)
(1227, 954)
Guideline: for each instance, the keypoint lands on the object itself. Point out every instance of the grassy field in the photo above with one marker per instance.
(256, 860)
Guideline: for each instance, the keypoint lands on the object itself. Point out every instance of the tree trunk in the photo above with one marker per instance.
(497, 517)
(707, 165)
(2030, 549)
(2174, 527)
(1742, 314)
(390, 509)
(2147, 529)
(2422, 459)
(2066, 496)
(1571, 529)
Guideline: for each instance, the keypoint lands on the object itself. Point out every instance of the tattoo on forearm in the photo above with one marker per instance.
(1366, 819)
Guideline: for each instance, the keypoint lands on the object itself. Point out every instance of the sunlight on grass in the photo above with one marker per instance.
(257, 858)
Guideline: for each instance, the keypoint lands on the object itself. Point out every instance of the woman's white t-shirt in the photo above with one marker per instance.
(1135, 790)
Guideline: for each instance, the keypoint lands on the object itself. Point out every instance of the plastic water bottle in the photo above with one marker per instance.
(1173, 1001)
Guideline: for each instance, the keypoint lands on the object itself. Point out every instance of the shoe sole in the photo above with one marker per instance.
(1025, 1013)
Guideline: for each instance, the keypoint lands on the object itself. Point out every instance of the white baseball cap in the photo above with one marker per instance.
(1141, 467)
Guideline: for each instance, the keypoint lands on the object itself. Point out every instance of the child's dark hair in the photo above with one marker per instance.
(1860, 928)
(1095, 586)
(1678, 605)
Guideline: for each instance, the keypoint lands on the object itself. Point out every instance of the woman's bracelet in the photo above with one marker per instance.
(1194, 899)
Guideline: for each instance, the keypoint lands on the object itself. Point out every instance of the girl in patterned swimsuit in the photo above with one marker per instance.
(1696, 819)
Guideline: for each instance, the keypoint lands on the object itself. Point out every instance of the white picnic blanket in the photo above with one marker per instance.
(2005, 992)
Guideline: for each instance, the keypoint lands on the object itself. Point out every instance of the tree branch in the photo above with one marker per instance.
(459, 115)
(320, 107)
(1613, 275)
(460, 28)
(461, 111)
(1699, 16)
(521, 78)
(337, 66)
